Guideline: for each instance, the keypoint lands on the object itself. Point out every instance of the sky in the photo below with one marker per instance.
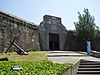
(34, 10)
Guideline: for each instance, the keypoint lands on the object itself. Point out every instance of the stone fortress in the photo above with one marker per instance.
(51, 34)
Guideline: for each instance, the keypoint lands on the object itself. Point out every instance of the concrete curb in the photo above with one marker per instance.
(73, 69)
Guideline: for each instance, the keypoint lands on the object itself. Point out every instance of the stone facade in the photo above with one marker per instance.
(52, 33)
(26, 32)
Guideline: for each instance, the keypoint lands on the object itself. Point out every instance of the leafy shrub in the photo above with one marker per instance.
(43, 67)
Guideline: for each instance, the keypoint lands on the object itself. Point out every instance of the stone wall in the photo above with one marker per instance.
(26, 32)
(73, 42)
(96, 44)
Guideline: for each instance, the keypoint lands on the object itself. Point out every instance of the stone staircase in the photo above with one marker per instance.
(89, 68)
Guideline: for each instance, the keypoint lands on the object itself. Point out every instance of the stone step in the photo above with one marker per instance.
(88, 72)
(89, 66)
(89, 69)
(84, 61)
(62, 55)
(90, 63)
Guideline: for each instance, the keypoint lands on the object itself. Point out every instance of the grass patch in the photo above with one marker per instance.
(44, 67)
(33, 56)
(36, 63)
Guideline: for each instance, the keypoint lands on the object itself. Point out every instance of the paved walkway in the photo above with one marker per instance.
(69, 57)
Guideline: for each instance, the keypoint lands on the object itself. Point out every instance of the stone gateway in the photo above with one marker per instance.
(52, 33)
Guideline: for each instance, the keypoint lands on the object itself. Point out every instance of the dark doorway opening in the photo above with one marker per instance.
(53, 41)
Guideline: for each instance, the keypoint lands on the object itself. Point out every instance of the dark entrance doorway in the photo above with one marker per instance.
(53, 41)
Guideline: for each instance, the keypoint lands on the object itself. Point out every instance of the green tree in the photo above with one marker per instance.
(85, 27)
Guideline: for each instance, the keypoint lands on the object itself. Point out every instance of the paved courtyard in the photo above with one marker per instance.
(69, 56)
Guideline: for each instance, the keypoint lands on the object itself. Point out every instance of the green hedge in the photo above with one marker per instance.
(43, 67)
